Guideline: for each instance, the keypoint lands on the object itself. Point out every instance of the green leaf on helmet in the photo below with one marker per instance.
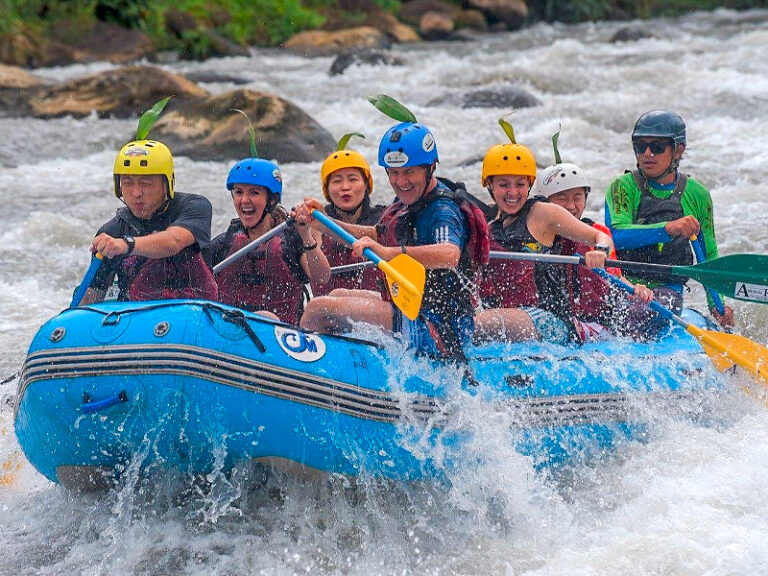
(346, 138)
(252, 132)
(148, 119)
(392, 108)
(508, 130)
(555, 138)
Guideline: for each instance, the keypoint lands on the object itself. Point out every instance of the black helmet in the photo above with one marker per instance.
(660, 124)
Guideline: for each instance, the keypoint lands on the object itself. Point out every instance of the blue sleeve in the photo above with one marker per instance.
(628, 238)
(445, 222)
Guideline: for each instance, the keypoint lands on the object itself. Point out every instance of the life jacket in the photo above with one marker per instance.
(515, 283)
(605, 230)
(395, 229)
(338, 253)
(511, 283)
(651, 210)
(262, 280)
(182, 276)
(591, 296)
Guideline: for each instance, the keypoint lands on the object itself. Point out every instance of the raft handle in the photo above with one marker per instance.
(91, 407)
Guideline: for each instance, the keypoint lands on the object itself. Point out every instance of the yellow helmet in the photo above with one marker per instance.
(344, 159)
(509, 158)
(145, 157)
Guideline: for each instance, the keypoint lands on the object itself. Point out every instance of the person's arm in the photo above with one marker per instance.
(545, 221)
(701, 208)
(357, 230)
(701, 205)
(621, 203)
(157, 245)
(432, 256)
(447, 227)
(313, 260)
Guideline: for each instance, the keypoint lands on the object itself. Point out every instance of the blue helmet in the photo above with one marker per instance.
(660, 124)
(257, 172)
(407, 144)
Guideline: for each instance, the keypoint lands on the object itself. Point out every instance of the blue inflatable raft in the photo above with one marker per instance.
(192, 386)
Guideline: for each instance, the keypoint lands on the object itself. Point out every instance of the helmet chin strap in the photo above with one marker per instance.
(267, 209)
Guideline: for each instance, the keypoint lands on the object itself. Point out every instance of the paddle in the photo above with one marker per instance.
(405, 276)
(723, 349)
(701, 257)
(251, 245)
(740, 276)
(80, 291)
(343, 269)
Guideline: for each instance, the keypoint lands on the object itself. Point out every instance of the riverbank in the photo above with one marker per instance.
(36, 33)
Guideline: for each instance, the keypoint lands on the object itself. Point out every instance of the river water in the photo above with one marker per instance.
(690, 501)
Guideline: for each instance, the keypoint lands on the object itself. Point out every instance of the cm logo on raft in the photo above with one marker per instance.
(302, 347)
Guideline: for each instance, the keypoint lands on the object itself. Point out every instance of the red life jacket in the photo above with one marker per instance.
(184, 275)
(474, 256)
(511, 283)
(339, 254)
(508, 283)
(261, 280)
(590, 294)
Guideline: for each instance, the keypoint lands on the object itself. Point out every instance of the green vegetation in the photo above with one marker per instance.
(191, 26)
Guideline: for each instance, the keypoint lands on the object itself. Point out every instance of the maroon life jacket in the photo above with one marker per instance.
(261, 280)
(508, 283)
(476, 253)
(339, 253)
(511, 283)
(184, 275)
(590, 294)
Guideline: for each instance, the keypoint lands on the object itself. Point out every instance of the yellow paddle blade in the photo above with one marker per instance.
(405, 278)
(725, 350)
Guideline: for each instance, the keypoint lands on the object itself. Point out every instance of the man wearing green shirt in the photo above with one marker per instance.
(654, 210)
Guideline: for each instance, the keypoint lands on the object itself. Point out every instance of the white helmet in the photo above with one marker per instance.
(558, 178)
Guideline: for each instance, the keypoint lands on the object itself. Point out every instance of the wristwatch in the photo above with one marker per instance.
(131, 243)
(603, 248)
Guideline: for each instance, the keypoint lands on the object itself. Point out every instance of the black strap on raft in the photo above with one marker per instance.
(10, 378)
(449, 345)
(237, 318)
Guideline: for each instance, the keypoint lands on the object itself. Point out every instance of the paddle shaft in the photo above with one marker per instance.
(530, 256)
(698, 249)
(351, 267)
(344, 235)
(740, 276)
(77, 297)
(251, 245)
(653, 305)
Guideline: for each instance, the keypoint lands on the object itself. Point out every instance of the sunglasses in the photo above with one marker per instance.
(655, 146)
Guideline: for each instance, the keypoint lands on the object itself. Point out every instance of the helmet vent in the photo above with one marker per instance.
(126, 162)
(144, 163)
(518, 158)
(505, 158)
